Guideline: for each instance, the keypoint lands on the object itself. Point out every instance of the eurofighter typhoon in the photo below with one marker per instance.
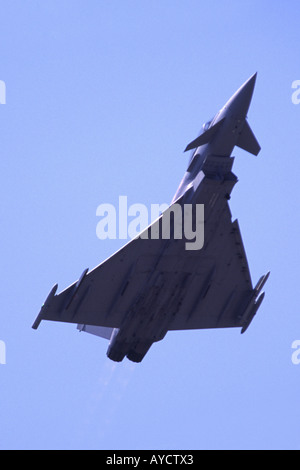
(160, 281)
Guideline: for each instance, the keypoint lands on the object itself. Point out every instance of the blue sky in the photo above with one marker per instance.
(101, 99)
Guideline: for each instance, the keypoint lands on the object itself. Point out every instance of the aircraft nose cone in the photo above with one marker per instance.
(239, 103)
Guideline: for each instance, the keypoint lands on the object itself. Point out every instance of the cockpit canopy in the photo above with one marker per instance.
(206, 125)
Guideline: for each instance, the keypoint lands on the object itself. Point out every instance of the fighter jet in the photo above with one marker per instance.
(154, 284)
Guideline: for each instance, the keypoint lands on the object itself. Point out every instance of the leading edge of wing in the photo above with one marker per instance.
(217, 297)
(95, 298)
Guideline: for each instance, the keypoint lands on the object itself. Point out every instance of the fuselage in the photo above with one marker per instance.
(233, 114)
(154, 309)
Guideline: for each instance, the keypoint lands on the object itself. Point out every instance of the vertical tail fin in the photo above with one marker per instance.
(102, 331)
